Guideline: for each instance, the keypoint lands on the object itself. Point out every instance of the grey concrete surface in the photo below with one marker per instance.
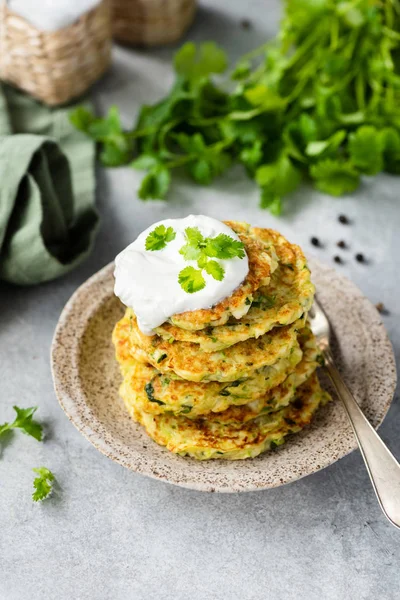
(109, 534)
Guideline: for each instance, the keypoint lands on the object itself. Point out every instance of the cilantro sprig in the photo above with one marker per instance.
(42, 484)
(204, 250)
(320, 102)
(159, 237)
(24, 422)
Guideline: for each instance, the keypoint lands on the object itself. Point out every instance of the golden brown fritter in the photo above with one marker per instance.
(262, 262)
(193, 364)
(155, 392)
(285, 299)
(205, 439)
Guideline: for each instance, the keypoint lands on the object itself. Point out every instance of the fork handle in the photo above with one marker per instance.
(382, 467)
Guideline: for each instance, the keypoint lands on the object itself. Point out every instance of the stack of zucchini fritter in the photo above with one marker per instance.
(233, 380)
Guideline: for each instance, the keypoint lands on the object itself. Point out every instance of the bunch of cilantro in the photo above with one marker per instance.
(321, 102)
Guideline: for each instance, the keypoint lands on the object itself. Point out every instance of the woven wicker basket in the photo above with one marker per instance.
(151, 22)
(55, 66)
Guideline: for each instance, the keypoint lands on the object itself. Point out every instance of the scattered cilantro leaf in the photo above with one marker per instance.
(159, 237)
(43, 484)
(335, 177)
(25, 422)
(191, 280)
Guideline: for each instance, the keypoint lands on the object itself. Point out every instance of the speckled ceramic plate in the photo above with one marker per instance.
(86, 379)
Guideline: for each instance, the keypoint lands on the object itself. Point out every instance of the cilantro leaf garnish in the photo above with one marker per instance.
(224, 247)
(159, 237)
(202, 249)
(25, 422)
(42, 484)
(214, 269)
(193, 249)
(191, 280)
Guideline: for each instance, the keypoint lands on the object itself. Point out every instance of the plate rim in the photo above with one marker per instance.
(62, 370)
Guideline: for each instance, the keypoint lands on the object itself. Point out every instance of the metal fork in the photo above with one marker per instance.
(382, 467)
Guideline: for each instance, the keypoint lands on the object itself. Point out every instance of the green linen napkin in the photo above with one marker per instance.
(48, 218)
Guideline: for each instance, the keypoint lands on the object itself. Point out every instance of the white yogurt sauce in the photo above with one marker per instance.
(147, 280)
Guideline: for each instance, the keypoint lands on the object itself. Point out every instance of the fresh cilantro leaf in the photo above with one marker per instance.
(117, 147)
(103, 129)
(214, 269)
(241, 70)
(352, 15)
(298, 134)
(207, 161)
(42, 484)
(335, 177)
(155, 184)
(365, 148)
(246, 132)
(194, 236)
(201, 171)
(251, 156)
(270, 201)
(145, 162)
(224, 247)
(114, 155)
(281, 176)
(4, 427)
(191, 280)
(262, 95)
(81, 117)
(192, 250)
(324, 147)
(24, 421)
(390, 141)
(195, 62)
(159, 237)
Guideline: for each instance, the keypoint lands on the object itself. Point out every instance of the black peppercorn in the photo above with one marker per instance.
(343, 219)
(342, 244)
(337, 259)
(360, 258)
(315, 241)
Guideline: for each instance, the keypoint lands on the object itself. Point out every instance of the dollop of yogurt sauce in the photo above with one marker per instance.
(147, 280)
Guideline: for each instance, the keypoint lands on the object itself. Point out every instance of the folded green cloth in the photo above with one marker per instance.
(47, 214)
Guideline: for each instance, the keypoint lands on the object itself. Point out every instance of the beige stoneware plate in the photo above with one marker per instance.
(86, 379)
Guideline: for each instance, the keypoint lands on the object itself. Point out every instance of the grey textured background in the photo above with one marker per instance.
(109, 534)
